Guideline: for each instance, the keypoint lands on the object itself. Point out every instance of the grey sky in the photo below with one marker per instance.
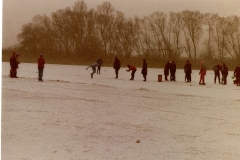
(19, 12)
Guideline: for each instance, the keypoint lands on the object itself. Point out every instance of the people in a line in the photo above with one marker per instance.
(116, 66)
(100, 62)
(166, 70)
(202, 73)
(237, 74)
(217, 70)
(41, 63)
(188, 71)
(13, 65)
(94, 65)
(133, 69)
(224, 74)
(173, 71)
(144, 70)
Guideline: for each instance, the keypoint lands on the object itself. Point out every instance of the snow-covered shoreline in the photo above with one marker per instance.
(71, 116)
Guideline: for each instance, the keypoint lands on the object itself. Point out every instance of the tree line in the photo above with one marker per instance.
(106, 32)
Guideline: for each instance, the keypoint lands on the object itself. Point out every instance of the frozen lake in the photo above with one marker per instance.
(71, 116)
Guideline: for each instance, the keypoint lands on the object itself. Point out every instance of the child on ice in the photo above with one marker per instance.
(94, 65)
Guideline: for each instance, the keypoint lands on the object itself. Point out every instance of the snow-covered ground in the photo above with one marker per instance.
(71, 116)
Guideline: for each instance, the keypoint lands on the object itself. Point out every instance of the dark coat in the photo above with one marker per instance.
(117, 64)
(237, 71)
(13, 62)
(225, 70)
(166, 69)
(173, 68)
(144, 68)
(217, 69)
(188, 68)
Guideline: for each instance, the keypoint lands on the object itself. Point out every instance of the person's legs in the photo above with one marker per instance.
(40, 73)
(215, 77)
(116, 71)
(238, 80)
(145, 77)
(133, 72)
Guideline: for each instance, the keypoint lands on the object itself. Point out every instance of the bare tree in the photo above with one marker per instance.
(105, 19)
(192, 28)
(177, 25)
(233, 36)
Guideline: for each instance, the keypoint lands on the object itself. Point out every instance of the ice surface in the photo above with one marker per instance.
(71, 116)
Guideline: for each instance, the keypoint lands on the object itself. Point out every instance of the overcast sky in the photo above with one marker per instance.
(19, 12)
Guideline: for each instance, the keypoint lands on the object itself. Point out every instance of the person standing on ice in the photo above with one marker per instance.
(41, 63)
(188, 71)
(173, 71)
(224, 74)
(166, 70)
(144, 70)
(94, 65)
(13, 65)
(202, 73)
(100, 62)
(237, 74)
(116, 66)
(133, 69)
(217, 70)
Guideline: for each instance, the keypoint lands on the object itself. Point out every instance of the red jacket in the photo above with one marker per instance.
(41, 62)
(131, 68)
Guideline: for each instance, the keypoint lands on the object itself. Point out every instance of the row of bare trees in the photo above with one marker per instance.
(107, 32)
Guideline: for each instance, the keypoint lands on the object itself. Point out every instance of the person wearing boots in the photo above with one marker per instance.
(224, 74)
(202, 73)
(100, 62)
(237, 74)
(116, 66)
(13, 65)
(173, 71)
(188, 71)
(166, 70)
(94, 65)
(133, 69)
(144, 70)
(217, 70)
(41, 63)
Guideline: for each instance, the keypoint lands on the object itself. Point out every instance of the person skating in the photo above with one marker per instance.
(41, 63)
(166, 70)
(202, 73)
(133, 69)
(188, 71)
(94, 65)
(237, 74)
(13, 65)
(224, 74)
(144, 70)
(217, 70)
(116, 66)
(173, 71)
(100, 62)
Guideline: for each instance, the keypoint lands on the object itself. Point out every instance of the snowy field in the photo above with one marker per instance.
(71, 116)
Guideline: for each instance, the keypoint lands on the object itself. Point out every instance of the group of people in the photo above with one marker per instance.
(14, 62)
(170, 67)
(117, 66)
